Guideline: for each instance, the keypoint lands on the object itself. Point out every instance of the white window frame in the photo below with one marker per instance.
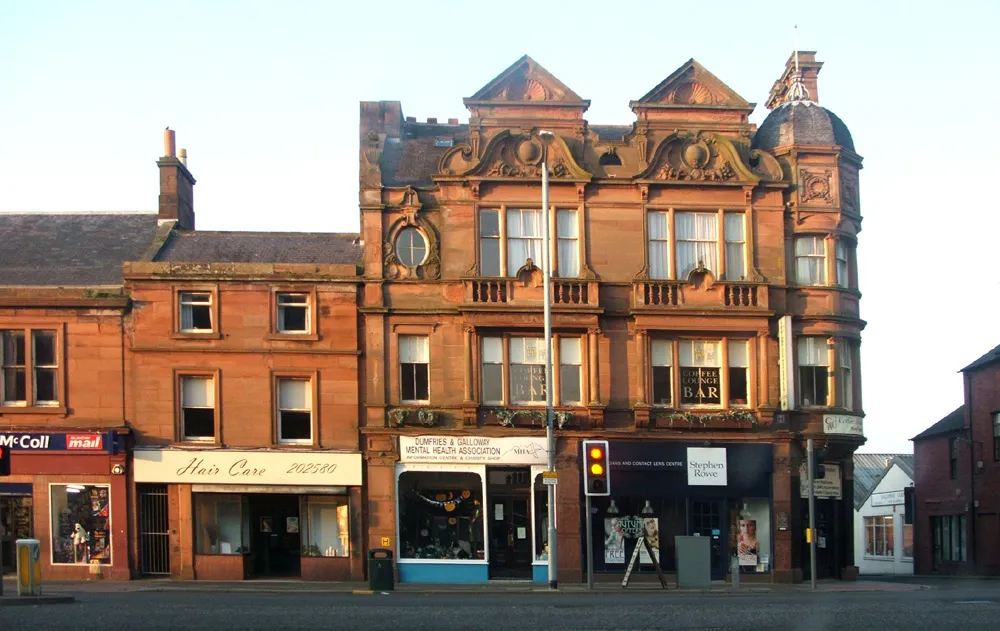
(800, 365)
(310, 385)
(843, 264)
(567, 242)
(845, 376)
(404, 353)
(111, 525)
(211, 385)
(703, 364)
(281, 302)
(565, 343)
(732, 243)
(712, 243)
(557, 244)
(411, 249)
(187, 301)
(875, 527)
(806, 261)
(539, 345)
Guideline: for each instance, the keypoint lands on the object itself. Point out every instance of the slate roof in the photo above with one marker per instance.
(262, 247)
(802, 123)
(413, 159)
(869, 469)
(988, 358)
(951, 423)
(71, 249)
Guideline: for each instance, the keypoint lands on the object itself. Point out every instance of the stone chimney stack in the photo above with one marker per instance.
(176, 185)
(808, 67)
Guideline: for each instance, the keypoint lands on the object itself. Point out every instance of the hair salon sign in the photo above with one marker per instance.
(228, 466)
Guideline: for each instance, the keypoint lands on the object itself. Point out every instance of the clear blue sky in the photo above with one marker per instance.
(264, 96)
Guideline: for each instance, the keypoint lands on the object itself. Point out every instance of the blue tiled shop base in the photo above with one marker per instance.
(443, 573)
(540, 574)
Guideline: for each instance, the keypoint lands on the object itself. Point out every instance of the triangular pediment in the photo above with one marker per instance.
(526, 82)
(691, 86)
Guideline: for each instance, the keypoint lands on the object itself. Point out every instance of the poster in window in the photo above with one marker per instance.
(651, 530)
(614, 541)
(747, 544)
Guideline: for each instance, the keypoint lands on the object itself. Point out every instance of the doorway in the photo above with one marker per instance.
(707, 521)
(154, 530)
(16, 522)
(508, 493)
(274, 521)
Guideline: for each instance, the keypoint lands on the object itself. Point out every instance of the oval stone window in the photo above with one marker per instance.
(411, 247)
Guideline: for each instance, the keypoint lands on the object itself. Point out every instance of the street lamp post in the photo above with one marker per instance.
(546, 138)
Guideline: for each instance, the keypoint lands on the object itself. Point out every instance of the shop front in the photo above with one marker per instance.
(664, 489)
(68, 490)
(225, 514)
(471, 509)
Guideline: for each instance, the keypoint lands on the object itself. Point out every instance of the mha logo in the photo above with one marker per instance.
(83, 441)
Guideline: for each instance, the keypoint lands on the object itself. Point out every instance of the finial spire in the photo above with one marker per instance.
(798, 91)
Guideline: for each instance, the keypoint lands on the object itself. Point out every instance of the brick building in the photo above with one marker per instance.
(243, 396)
(957, 514)
(705, 314)
(62, 397)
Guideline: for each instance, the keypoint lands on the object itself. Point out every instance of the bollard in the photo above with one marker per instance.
(734, 569)
(29, 567)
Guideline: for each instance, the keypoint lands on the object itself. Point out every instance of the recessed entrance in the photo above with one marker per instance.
(274, 522)
(508, 493)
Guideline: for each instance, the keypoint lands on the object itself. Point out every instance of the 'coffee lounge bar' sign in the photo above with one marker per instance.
(227, 466)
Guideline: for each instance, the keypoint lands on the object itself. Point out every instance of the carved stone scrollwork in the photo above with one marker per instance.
(816, 185)
(704, 157)
(513, 155)
(766, 166)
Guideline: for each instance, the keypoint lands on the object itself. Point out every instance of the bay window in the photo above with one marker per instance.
(700, 363)
(842, 264)
(508, 237)
(739, 373)
(845, 377)
(814, 363)
(662, 356)
(697, 242)
(810, 260)
(513, 370)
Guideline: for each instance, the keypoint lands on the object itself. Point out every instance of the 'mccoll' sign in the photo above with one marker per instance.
(52, 442)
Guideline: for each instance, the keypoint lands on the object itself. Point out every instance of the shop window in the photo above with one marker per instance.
(293, 313)
(662, 360)
(814, 362)
(198, 408)
(570, 366)
(81, 523)
(327, 527)
(700, 365)
(949, 537)
(295, 410)
(196, 312)
(750, 534)
(908, 541)
(541, 508)
(736, 247)
(810, 260)
(33, 375)
(621, 522)
(222, 523)
(414, 368)
(879, 536)
(440, 516)
(739, 373)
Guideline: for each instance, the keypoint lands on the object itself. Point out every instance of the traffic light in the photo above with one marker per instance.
(4, 461)
(819, 468)
(596, 469)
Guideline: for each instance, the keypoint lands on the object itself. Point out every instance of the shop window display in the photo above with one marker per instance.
(620, 523)
(327, 527)
(750, 534)
(541, 498)
(440, 516)
(81, 523)
(222, 524)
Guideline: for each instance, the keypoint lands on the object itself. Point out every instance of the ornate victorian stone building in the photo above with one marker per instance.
(705, 316)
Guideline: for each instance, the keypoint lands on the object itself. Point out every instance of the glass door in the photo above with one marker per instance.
(706, 521)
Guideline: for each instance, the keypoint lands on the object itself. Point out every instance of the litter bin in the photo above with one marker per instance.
(29, 567)
(380, 576)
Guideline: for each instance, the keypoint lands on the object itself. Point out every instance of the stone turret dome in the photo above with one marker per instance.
(802, 122)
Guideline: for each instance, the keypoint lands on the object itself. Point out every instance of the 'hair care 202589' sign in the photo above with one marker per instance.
(229, 466)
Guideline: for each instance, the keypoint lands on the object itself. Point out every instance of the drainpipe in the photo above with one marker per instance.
(972, 474)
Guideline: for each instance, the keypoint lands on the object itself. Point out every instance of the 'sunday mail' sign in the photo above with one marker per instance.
(474, 449)
(228, 466)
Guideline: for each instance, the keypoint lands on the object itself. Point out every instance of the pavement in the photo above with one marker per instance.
(63, 589)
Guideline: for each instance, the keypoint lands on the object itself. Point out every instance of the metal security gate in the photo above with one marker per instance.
(154, 530)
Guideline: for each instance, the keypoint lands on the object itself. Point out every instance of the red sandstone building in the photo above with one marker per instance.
(63, 404)
(957, 486)
(705, 314)
(243, 394)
